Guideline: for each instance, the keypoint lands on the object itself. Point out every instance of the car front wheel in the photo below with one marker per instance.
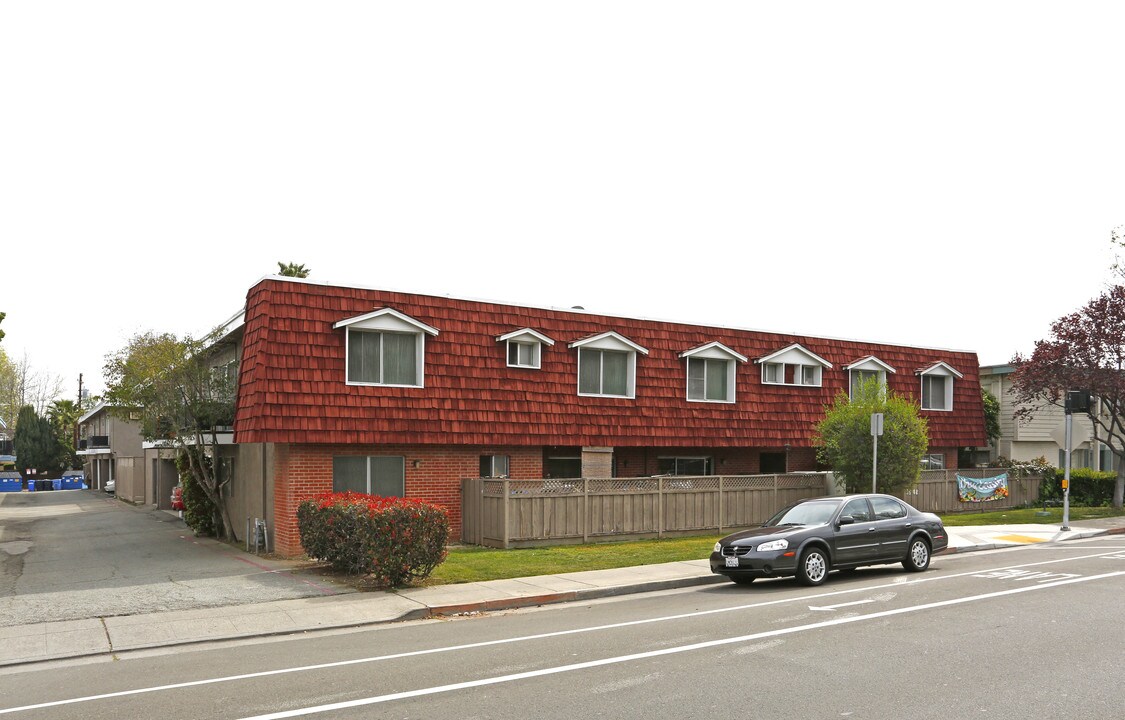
(813, 568)
(918, 558)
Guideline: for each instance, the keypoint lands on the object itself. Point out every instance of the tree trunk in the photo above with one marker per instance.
(1119, 486)
(206, 480)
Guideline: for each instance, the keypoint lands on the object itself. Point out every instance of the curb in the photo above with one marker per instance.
(1058, 537)
(444, 611)
(423, 613)
(571, 596)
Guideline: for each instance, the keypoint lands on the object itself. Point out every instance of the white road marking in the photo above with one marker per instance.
(362, 702)
(898, 583)
(840, 605)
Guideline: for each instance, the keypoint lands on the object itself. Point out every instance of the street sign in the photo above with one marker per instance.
(876, 424)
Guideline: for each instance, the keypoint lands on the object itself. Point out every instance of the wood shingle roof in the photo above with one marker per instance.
(292, 385)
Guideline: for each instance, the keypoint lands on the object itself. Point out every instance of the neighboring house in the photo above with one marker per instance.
(1043, 435)
(7, 456)
(401, 394)
(109, 442)
(161, 473)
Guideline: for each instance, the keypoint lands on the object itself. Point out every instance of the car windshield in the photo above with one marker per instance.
(810, 513)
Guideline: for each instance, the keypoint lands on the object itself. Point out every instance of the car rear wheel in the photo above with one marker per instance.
(813, 568)
(918, 558)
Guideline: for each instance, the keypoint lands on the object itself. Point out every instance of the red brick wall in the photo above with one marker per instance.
(304, 471)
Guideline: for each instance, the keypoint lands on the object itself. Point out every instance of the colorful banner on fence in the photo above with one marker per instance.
(982, 490)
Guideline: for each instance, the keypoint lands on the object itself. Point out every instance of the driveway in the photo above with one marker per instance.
(73, 554)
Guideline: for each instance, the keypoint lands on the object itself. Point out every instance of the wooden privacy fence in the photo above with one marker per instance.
(507, 513)
(936, 492)
(526, 513)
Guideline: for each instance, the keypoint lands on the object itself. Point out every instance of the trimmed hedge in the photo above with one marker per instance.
(1089, 488)
(393, 540)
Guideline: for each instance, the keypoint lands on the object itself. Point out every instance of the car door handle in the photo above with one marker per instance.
(870, 529)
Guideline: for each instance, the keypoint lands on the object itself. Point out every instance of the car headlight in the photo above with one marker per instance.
(718, 547)
(775, 545)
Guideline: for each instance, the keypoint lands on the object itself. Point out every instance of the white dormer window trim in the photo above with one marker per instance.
(937, 387)
(808, 367)
(371, 338)
(523, 348)
(607, 365)
(867, 366)
(711, 370)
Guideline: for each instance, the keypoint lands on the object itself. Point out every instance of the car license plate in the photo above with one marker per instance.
(731, 561)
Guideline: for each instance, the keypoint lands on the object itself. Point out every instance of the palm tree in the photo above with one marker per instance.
(64, 415)
(293, 270)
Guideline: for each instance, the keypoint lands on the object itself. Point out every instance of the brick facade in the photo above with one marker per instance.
(294, 396)
(433, 474)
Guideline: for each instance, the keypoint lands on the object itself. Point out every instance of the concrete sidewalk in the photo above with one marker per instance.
(104, 636)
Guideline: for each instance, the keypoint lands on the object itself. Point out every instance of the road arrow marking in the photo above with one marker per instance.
(849, 604)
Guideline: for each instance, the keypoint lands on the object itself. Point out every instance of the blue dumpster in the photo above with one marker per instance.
(56, 484)
(10, 482)
(73, 480)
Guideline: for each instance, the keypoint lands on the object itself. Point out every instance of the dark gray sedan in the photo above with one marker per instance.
(814, 536)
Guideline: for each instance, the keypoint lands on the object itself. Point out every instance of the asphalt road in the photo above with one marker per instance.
(74, 554)
(1033, 632)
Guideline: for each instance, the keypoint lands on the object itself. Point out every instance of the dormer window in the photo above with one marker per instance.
(524, 348)
(607, 365)
(711, 373)
(937, 386)
(385, 347)
(865, 370)
(793, 365)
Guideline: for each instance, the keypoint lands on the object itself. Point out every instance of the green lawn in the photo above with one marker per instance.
(1028, 515)
(473, 564)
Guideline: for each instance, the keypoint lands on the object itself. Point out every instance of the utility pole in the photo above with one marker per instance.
(876, 431)
(79, 411)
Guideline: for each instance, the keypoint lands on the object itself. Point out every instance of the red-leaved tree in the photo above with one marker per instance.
(1086, 351)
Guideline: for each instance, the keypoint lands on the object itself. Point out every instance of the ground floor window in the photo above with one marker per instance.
(494, 466)
(562, 466)
(683, 466)
(376, 475)
(1078, 458)
(933, 461)
(772, 463)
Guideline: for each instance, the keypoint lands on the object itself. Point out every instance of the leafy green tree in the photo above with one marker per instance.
(35, 443)
(991, 415)
(293, 270)
(845, 444)
(170, 381)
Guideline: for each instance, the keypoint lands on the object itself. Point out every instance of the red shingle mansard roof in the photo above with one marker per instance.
(292, 385)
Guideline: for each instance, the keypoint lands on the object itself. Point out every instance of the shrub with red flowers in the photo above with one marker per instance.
(393, 540)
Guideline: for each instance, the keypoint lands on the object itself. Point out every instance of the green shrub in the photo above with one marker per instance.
(199, 511)
(393, 540)
(1091, 488)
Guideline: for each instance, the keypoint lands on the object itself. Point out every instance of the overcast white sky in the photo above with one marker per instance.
(943, 175)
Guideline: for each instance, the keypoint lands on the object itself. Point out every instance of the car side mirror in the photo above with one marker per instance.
(845, 520)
